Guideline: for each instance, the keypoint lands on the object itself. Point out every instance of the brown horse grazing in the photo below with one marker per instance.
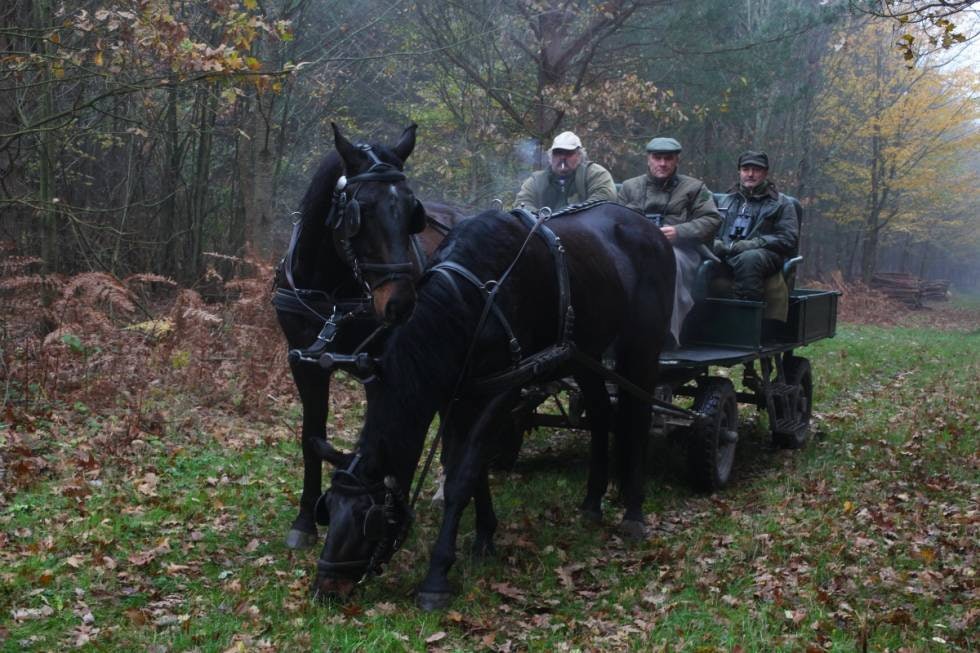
(482, 308)
(356, 252)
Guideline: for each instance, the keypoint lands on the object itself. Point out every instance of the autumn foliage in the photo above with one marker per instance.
(115, 346)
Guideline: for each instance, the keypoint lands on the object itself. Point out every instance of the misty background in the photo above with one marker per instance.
(136, 136)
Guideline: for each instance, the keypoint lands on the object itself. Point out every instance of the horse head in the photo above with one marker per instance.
(368, 521)
(374, 216)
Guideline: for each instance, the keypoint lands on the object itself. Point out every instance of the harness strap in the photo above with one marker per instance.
(490, 288)
(566, 315)
(287, 266)
(302, 302)
(491, 296)
(418, 251)
(543, 363)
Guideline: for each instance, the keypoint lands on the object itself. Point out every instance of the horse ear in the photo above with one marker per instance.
(407, 143)
(344, 147)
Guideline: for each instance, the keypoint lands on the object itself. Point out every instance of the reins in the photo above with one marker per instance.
(491, 288)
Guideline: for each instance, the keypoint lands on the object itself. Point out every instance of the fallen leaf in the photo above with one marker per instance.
(435, 637)
(28, 614)
(508, 590)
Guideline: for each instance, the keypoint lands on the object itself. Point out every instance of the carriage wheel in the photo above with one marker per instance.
(798, 375)
(711, 447)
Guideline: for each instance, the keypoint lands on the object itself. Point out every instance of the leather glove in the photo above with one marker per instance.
(745, 245)
(720, 249)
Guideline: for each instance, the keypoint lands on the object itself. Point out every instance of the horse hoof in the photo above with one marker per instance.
(431, 601)
(591, 516)
(483, 551)
(297, 539)
(633, 529)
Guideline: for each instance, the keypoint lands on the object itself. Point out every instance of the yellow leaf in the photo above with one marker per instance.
(97, 59)
(252, 63)
(251, 4)
(848, 507)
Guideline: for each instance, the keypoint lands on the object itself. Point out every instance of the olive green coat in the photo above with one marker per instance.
(590, 182)
(684, 202)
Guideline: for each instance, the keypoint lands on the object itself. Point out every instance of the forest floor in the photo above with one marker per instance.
(149, 469)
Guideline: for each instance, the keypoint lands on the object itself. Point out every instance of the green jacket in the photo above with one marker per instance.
(590, 182)
(684, 202)
(770, 218)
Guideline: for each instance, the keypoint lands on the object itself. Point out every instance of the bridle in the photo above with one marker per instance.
(345, 220)
(387, 522)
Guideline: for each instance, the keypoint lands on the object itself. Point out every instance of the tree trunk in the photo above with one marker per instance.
(50, 247)
(169, 231)
(207, 110)
(257, 168)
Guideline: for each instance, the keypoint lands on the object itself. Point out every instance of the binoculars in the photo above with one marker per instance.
(658, 218)
(740, 226)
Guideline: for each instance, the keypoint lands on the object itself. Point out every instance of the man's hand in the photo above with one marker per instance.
(745, 245)
(720, 249)
(670, 232)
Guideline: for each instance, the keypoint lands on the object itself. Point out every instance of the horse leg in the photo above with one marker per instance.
(465, 461)
(435, 593)
(486, 519)
(599, 409)
(639, 362)
(314, 391)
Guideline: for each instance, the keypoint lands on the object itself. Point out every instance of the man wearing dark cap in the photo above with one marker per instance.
(570, 178)
(683, 208)
(760, 228)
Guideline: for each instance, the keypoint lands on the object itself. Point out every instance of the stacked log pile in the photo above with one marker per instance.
(909, 289)
(935, 291)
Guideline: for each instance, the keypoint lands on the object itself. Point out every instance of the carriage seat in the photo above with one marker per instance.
(710, 283)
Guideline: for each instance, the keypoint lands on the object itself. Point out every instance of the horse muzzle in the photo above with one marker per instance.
(327, 589)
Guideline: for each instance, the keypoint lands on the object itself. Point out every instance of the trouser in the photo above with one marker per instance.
(687, 262)
(750, 270)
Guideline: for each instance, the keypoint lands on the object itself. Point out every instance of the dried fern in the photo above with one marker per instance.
(97, 290)
(18, 265)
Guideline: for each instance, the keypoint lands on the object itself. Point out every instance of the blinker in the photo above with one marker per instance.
(351, 222)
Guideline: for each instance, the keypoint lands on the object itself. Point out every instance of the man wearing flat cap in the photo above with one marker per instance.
(570, 178)
(760, 228)
(683, 208)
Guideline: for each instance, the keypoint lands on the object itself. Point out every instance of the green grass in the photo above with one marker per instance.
(866, 538)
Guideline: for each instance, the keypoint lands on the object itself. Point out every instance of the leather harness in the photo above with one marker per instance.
(522, 369)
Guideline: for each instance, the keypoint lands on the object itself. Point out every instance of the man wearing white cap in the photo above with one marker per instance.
(570, 178)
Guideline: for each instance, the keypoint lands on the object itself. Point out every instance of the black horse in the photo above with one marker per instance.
(620, 279)
(356, 252)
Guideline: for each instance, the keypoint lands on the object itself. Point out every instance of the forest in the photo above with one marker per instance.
(135, 137)
(154, 157)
